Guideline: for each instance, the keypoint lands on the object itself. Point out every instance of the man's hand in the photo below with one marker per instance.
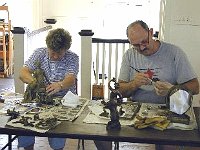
(162, 87)
(141, 79)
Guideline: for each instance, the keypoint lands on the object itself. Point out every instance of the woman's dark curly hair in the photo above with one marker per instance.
(58, 39)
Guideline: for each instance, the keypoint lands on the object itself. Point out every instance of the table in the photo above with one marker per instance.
(79, 130)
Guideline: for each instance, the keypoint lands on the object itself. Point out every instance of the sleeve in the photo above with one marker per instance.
(73, 67)
(184, 69)
(35, 56)
(125, 68)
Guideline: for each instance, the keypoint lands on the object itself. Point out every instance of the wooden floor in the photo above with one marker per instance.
(71, 144)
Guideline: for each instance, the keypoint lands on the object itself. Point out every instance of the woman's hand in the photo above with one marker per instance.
(162, 87)
(54, 88)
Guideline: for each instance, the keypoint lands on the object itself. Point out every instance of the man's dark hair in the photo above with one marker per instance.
(140, 22)
(58, 39)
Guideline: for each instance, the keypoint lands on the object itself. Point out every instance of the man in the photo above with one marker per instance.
(149, 60)
(151, 67)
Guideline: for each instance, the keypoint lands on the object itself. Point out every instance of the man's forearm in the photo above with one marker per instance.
(127, 88)
(192, 86)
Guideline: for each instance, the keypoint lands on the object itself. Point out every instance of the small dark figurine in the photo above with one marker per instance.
(115, 100)
(25, 121)
(36, 91)
(36, 117)
(48, 123)
(104, 113)
(121, 111)
(14, 114)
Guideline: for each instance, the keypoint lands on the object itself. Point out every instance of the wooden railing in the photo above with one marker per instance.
(100, 61)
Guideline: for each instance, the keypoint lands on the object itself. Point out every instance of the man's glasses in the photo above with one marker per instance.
(143, 42)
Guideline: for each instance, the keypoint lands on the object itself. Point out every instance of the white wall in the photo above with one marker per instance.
(180, 24)
(107, 18)
(21, 12)
(84, 14)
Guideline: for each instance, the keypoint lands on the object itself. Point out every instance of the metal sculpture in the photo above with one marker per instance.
(12, 113)
(114, 101)
(36, 90)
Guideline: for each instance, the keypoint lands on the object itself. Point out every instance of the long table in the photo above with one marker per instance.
(79, 130)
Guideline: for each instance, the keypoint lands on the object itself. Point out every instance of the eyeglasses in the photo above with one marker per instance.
(143, 42)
